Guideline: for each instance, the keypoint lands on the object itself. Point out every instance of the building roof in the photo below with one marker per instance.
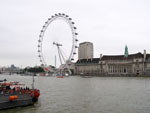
(85, 43)
(93, 60)
(121, 57)
(113, 57)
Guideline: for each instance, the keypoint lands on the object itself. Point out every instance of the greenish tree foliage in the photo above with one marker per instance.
(34, 69)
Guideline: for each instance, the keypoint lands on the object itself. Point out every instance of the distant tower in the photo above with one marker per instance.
(126, 52)
(55, 61)
(85, 50)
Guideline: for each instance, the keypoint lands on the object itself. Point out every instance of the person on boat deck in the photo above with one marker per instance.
(8, 88)
(0, 89)
(14, 89)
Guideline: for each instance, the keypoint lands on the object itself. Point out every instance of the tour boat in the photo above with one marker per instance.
(14, 94)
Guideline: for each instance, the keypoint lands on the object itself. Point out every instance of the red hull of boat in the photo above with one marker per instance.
(60, 76)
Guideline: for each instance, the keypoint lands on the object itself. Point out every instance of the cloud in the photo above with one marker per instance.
(110, 25)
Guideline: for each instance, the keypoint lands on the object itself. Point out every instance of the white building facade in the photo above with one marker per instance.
(108, 65)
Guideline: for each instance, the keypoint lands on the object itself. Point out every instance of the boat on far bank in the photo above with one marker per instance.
(60, 76)
(85, 75)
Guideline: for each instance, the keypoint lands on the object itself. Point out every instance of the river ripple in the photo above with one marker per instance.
(87, 95)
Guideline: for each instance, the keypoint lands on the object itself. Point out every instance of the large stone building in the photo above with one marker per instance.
(85, 50)
(137, 64)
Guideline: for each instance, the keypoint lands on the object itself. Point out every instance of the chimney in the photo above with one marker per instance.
(100, 56)
(144, 55)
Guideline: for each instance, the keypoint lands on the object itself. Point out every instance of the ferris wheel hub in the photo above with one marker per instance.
(57, 44)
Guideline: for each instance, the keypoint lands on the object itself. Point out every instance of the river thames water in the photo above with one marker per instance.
(87, 95)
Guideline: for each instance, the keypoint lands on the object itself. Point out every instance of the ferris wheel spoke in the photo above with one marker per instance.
(62, 55)
(59, 56)
(65, 56)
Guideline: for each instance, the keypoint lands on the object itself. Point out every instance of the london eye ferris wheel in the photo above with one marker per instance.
(65, 60)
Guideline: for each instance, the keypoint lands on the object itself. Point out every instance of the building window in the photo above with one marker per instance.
(125, 70)
(137, 72)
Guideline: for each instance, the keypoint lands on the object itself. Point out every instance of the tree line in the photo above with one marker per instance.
(34, 69)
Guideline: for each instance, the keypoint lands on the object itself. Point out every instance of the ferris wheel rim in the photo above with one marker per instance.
(67, 19)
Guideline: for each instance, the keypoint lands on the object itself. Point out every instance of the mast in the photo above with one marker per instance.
(33, 84)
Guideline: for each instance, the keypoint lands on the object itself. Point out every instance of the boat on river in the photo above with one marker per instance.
(61, 75)
(15, 94)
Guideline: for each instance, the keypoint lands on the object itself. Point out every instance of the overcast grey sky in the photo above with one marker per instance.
(109, 24)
